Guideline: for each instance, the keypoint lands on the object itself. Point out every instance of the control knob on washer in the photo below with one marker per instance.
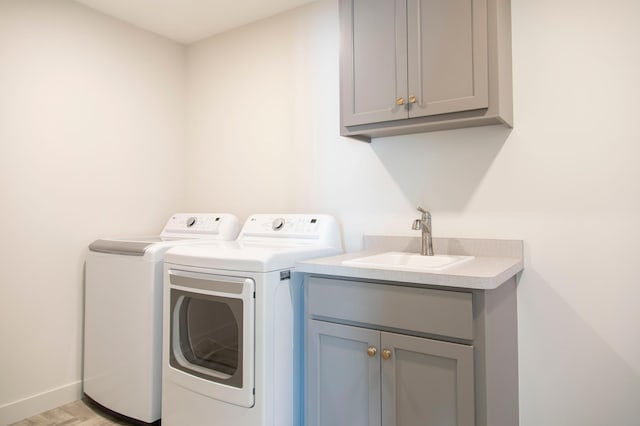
(277, 224)
(191, 221)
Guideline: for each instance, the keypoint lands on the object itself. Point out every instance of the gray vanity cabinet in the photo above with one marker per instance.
(411, 66)
(371, 378)
(381, 353)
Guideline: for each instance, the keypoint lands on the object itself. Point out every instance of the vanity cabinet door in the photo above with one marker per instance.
(343, 373)
(362, 377)
(426, 382)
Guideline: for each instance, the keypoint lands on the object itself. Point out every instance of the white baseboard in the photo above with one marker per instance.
(30, 406)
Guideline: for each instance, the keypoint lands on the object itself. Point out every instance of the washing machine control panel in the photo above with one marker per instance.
(185, 224)
(206, 223)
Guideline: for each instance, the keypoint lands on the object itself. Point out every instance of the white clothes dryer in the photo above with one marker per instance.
(232, 333)
(123, 313)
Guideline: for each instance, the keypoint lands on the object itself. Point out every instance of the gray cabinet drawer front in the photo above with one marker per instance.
(440, 312)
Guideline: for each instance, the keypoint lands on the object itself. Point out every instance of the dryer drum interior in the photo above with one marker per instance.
(207, 336)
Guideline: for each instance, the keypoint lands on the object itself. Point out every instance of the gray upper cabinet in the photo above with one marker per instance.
(410, 66)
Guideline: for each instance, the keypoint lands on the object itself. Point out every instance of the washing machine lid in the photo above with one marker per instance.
(134, 246)
(181, 228)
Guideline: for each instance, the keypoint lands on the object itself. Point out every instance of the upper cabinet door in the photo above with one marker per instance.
(447, 56)
(374, 61)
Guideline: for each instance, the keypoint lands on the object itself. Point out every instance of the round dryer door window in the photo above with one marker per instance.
(207, 338)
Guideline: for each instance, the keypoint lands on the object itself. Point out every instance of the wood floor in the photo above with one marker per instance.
(73, 414)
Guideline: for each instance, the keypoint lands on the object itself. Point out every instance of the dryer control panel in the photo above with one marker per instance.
(316, 229)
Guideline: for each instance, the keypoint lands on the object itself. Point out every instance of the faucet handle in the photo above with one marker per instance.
(426, 215)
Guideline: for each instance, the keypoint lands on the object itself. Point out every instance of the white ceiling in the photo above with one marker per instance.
(187, 21)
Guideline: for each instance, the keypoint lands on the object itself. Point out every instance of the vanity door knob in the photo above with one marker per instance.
(412, 99)
(386, 354)
(371, 351)
(400, 101)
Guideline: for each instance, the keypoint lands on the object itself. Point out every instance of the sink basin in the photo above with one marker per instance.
(408, 261)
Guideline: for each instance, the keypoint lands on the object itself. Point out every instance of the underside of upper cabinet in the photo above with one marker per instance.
(413, 66)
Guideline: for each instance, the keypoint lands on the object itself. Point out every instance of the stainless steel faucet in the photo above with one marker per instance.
(424, 223)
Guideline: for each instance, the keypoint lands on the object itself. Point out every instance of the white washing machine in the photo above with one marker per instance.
(123, 314)
(232, 333)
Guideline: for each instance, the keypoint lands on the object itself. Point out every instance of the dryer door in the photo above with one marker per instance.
(212, 335)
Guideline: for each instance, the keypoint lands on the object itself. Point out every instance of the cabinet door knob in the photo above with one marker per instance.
(400, 101)
(386, 354)
(412, 99)
(371, 351)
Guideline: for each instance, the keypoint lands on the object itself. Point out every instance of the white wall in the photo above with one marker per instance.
(263, 136)
(91, 145)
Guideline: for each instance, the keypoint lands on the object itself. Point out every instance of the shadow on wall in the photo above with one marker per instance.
(563, 360)
(441, 168)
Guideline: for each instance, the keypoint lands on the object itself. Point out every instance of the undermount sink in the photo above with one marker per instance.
(408, 261)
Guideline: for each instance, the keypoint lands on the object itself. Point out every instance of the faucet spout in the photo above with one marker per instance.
(424, 224)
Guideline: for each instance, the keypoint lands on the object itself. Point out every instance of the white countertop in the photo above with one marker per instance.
(481, 273)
